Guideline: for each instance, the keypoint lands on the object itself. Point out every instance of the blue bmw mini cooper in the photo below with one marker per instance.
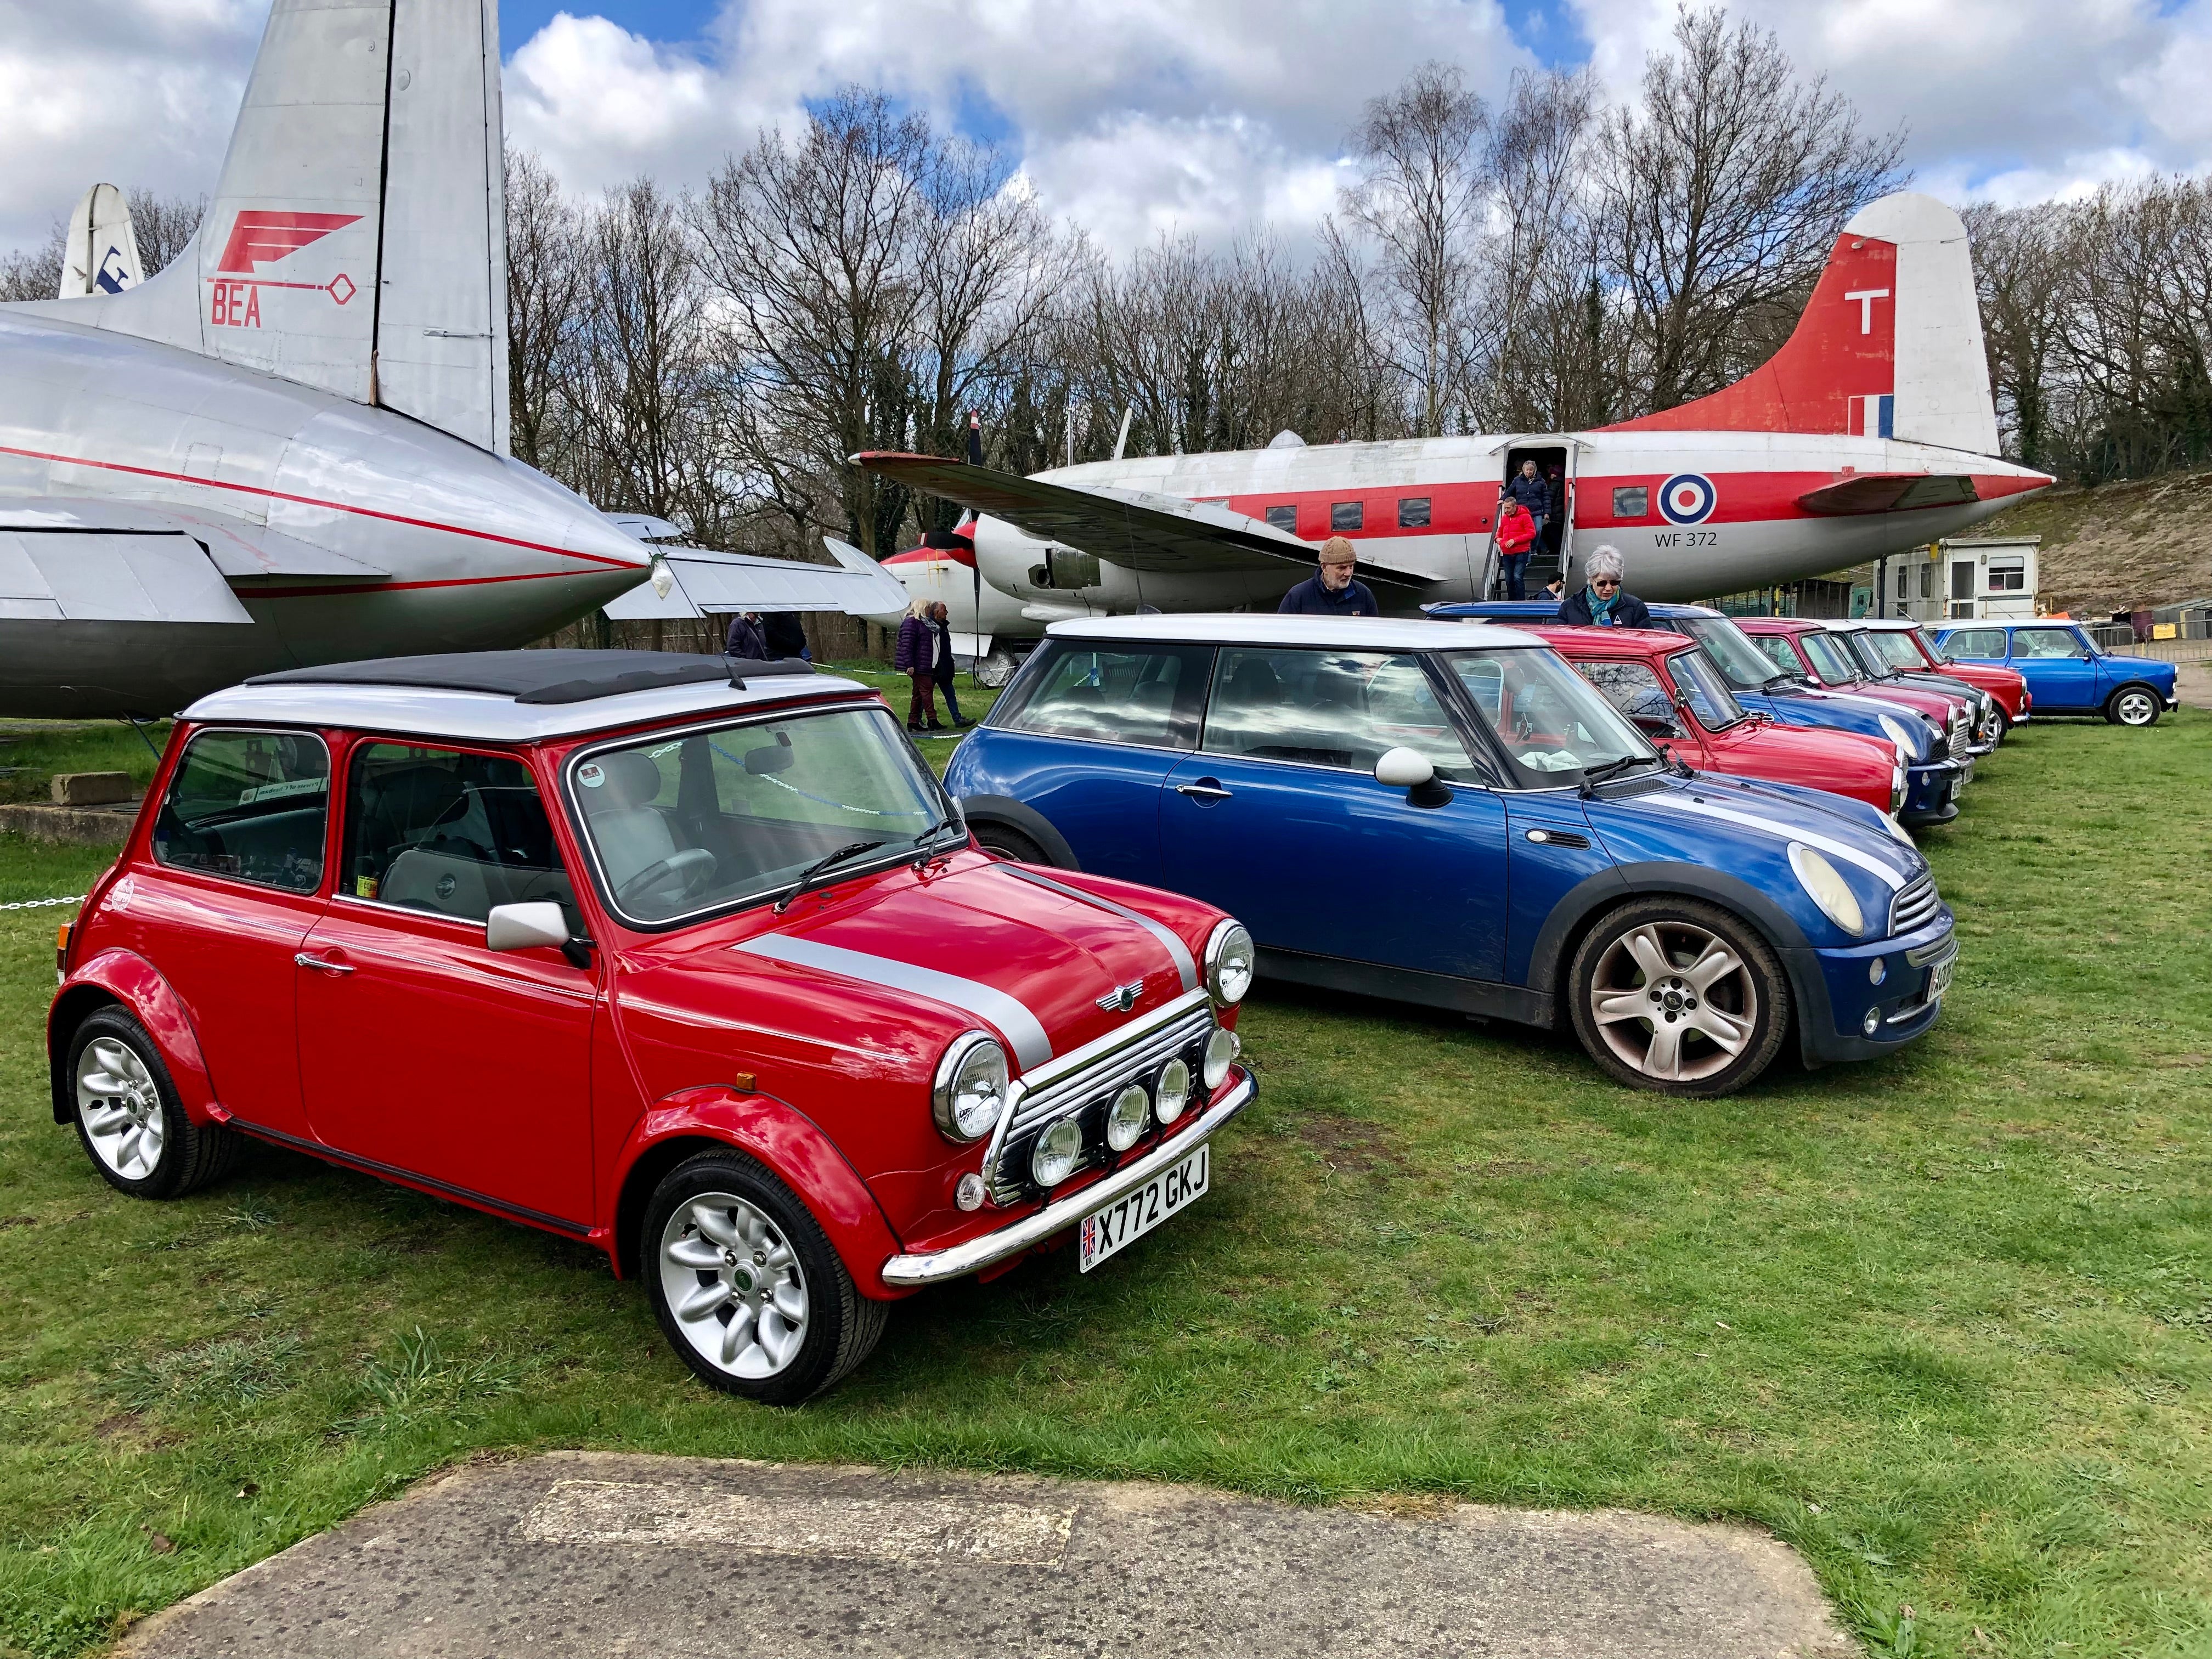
(1454, 817)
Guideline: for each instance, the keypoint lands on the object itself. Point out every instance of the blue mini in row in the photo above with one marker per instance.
(1937, 763)
(1454, 817)
(2066, 672)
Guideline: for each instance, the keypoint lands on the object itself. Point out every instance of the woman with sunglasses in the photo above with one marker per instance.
(1605, 603)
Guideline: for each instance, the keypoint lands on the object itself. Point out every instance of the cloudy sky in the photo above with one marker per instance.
(1128, 116)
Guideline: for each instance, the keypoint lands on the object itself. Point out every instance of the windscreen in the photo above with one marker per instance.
(1741, 662)
(688, 823)
(1555, 725)
(1934, 650)
(1893, 648)
(1696, 677)
(1829, 659)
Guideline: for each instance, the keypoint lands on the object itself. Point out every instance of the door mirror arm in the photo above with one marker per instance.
(578, 950)
(1413, 772)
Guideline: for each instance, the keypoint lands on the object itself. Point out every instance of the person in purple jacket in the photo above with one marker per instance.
(915, 656)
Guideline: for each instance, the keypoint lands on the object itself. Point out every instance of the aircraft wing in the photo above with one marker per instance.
(1133, 528)
(1888, 492)
(67, 560)
(704, 583)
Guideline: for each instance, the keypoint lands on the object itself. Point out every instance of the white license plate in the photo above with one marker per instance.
(1938, 980)
(1106, 1231)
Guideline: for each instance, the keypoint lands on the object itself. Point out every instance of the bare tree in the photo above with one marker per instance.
(34, 273)
(545, 288)
(1725, 184)
(1421, 197)
(163, 225)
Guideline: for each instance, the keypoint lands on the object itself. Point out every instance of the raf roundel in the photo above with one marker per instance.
(1688, 498)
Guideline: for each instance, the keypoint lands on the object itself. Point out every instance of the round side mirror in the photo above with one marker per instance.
(1403, 768)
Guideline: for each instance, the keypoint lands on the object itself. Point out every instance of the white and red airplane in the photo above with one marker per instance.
(1871, 430)
(289, 447)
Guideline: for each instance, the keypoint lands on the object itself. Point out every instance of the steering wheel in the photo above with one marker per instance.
(688, 868)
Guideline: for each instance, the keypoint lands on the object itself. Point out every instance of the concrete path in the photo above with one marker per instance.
(2192, 684)
(591, 1554)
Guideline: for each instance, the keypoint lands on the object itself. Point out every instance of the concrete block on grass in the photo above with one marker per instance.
(92, 788)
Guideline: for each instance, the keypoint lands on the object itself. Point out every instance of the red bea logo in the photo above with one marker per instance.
(262, 236)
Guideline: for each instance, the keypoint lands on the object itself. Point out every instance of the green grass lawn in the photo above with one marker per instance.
(1942, 1323)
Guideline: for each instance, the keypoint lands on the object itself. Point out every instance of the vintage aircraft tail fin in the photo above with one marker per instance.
(99, 254)
(357, 239)
(1890, 344)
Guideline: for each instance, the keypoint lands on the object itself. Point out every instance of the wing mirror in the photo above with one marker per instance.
(538, 925)
(1404, 768)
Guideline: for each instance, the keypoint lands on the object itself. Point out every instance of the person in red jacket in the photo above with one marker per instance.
(1516, 534)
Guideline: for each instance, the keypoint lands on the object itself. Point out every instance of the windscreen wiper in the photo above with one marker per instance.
(1593, 775)
(811, 877)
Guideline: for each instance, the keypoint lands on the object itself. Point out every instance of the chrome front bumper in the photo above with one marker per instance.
(911, 1271)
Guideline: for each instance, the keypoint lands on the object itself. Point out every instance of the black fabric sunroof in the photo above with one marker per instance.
(540, 676)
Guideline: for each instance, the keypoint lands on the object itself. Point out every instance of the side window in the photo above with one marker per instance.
(1339, 708)
(1146, 694)
(1634, 689)
(1632, 501)
(1778, 648)
(254, 805)
(450, 833)
(2047, 643)
(1284, 518)
(1977, 642)
(1412, 513)
(1345, 515)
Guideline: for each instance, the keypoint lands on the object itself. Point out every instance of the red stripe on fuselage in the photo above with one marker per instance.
(924, 555)
(311, 501)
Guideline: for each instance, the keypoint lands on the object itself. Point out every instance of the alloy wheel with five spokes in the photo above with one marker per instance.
(1678, 996)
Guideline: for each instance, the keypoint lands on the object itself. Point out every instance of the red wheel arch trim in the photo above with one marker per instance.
(138, 986)
(785, 1140)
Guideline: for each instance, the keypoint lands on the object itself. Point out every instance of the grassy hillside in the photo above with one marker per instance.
(2121, 546)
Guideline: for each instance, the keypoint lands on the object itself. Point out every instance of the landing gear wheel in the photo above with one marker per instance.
(745, 1283)
(1002, 843)
(129, 1117)
(1678, 996)
(2133, 705)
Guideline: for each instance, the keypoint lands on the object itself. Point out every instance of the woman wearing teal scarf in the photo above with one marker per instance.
(1605, 602)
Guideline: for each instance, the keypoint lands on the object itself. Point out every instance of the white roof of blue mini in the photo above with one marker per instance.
(514, 696)
(1270, 628)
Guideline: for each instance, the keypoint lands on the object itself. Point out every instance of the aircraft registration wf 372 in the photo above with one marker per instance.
(1871, 430)
(289, 447)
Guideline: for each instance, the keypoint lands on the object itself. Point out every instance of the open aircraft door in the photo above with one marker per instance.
(1550, 451)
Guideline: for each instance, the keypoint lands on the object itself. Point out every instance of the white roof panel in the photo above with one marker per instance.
(1345, 633)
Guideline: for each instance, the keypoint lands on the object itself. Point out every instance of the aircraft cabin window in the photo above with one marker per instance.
(1284, 518)
(1413, 512)
(1345, 515)
(252, 806)
(1632, 501)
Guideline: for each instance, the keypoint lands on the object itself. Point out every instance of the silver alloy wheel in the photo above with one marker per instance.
(2135, 708)
(1674, 1000)
(733, 1283)
(120, 1104)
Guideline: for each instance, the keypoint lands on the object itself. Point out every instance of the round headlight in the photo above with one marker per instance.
(1826, 888)
(1230, 960)
(1058, 1150)
(1898, 735)
(1220, 1049)
(1126, 1118)
(1173, 1091)
(970, 1090)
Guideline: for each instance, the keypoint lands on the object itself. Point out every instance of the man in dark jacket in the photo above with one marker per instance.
(944, 665)
(1331, 591)
(1529, 488)
(745, 639)
(1604, 603)
(786, 635)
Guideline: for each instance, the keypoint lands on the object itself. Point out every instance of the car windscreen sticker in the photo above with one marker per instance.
(591, 775)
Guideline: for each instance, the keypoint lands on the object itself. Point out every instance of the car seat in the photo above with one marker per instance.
(631, 835)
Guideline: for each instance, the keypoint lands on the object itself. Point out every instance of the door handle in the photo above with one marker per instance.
(1205, 789)
(320, 965)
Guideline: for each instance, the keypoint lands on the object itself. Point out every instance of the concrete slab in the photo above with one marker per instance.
(591, 1554)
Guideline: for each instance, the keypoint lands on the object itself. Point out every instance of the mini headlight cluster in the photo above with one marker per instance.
(1123, 1119)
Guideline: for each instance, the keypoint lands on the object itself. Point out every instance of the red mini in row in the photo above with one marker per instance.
(700, 967)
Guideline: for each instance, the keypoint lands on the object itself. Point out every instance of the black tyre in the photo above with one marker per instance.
(2134, 705)
(997, 838)
(2003, 725)
(129, 1117)
(1678, 996)
(746, 1286)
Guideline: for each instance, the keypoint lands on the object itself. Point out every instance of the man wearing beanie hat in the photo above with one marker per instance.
(1331, 591)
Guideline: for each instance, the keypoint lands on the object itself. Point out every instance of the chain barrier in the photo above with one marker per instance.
(40, 904)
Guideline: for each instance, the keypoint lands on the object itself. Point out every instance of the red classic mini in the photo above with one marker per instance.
(691, 960)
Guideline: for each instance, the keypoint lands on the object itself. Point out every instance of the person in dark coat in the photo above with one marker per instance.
(1529, 488)
(745, 639)
(1517, 536)
(786, 635)
(1331, 591)
(914, 656)
(1605, 603)
(1555, 522)
(942, 665)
